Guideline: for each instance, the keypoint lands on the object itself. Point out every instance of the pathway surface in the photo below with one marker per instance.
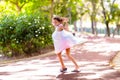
(92, 56)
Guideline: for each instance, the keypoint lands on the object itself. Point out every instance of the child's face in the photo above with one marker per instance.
(55, 22)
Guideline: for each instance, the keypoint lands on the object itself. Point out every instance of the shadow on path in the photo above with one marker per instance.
(68, 76)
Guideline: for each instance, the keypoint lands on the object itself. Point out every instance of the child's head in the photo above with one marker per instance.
(57, 20)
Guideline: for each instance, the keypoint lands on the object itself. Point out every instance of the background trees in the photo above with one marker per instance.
(25, 25)
(93, 11)
(108, 12)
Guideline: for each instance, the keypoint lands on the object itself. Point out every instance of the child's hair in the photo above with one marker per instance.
(59, 19)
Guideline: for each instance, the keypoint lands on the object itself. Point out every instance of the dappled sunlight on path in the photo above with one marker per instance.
(93, 58)
(96, 49)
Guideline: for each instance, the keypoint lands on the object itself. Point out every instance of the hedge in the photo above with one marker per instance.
(24, 34)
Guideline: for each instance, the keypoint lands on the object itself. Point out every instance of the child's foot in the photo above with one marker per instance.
(63, 70)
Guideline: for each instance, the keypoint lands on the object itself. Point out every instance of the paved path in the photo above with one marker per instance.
(92, 56)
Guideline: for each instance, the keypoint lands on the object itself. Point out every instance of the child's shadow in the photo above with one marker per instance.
(68, 76)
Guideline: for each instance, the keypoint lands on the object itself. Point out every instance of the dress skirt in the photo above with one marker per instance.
(63, 40)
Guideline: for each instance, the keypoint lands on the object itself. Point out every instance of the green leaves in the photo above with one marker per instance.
(24, 33)
(115, 13)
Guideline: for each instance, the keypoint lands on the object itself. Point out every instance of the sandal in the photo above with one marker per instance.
(75, 71)
(63, 70)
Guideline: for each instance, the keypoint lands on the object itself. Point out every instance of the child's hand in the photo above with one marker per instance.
(66, 20)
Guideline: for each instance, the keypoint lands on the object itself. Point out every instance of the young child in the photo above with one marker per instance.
(63, 40)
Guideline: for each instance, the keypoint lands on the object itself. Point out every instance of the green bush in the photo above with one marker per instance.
(24, 34)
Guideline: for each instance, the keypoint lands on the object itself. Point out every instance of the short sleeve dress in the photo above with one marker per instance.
(63, 40)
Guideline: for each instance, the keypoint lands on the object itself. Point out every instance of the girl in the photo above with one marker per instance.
(63, 40)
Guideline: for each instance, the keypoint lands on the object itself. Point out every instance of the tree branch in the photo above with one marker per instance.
(14, 2)
(23, 5)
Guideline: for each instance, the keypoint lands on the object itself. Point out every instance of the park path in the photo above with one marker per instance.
(92, 56)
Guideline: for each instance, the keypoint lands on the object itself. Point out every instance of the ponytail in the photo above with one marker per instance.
(59, 19)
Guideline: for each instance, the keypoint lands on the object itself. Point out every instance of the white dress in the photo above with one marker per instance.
(63, 40)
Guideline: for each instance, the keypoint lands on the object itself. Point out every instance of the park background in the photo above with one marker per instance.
(26, 29)
(26, 48)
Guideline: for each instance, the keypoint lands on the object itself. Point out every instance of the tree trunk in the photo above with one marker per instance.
(107, 28)
(93, 17)
(51, 11)
(105, 18)
(75, 26)
(18, 8)
(92, 26)
(95, 26)
(116, 29)
(81, 27)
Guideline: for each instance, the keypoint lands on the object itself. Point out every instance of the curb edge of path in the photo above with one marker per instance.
(112, 62)
(26, 59)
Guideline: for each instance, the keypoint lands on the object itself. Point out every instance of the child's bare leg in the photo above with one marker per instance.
(71, 58)
(61, 60)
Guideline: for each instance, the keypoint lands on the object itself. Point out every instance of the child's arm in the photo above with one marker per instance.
(66, 26)
(65, 23)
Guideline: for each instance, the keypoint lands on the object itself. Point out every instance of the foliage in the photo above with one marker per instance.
(24, 34)
(67, 8)
(93, 12)
(115, 13)
(108, 13)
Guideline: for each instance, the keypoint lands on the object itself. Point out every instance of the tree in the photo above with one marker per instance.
(81, 11)
(52, 4)
(18, 3)
(92, 11)
(116, 17)
(115, 13)
(66, 8)
(107, 14)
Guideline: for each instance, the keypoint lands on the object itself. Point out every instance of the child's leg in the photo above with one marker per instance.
(61, 60)
(71, 58)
